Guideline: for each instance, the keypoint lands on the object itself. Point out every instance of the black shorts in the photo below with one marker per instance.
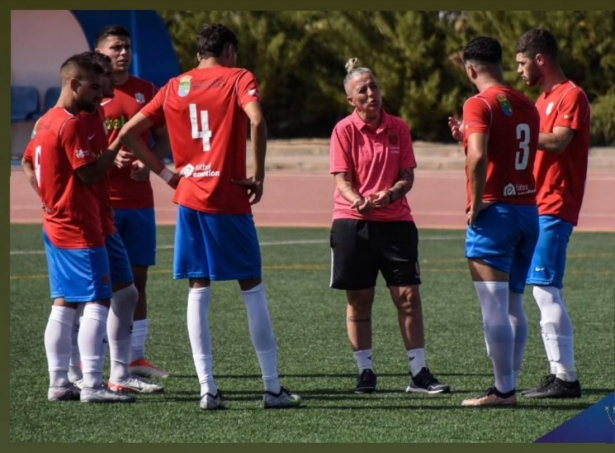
(362, 248)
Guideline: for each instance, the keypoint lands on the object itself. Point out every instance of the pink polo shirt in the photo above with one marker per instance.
(373, 159)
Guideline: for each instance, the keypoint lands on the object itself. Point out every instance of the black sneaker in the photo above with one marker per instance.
(425, 382)
(557, 389)
(546, 381)
(366, 383)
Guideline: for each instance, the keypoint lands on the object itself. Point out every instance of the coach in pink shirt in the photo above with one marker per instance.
(373, 231)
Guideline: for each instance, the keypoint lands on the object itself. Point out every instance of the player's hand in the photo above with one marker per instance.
(139, 172)
(456, 128)
(255, 188)
(380, 199)
(123, 159)
(475, 210)
(363, 206)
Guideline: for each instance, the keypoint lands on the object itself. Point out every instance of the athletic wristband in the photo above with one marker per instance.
(391, 196)
(166, 174)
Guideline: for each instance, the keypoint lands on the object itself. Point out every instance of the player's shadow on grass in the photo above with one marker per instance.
(319, 375)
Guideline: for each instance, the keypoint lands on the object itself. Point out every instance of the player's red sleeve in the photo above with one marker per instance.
(340, 152)
(572, 110)
(27, 155)
(408, 159)
(154, 110)
(247, 89)
(476, 116)
(74, 141)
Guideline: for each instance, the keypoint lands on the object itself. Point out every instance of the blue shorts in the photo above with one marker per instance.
(216, 246)
(121, 271)
(549, 261)
(137, 228)
(78, 275)
(504, 236)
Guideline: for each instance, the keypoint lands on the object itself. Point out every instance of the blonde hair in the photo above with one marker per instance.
(352, 70)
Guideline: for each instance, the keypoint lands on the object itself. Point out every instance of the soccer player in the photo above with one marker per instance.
(560, 171)
(373, 231)
(206, 112)
(131, 191)
(124, 297)
(66, 170)
(500, 131)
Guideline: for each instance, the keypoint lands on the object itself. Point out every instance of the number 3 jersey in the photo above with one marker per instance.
(59, 146)
(203, 111)
(512, 123)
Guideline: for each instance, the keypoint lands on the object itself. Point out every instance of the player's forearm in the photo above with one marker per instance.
(477, 171)
(552, 143)
(405, 183)
(345, 187)
(134, 143)
(162, 147)
(28, 170)
(259, 149)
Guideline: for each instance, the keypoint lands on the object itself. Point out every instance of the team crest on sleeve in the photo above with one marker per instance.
(504, 104)
(184, 85)
(140, 98)
(34, 130)
(549, 108)
(254, 92)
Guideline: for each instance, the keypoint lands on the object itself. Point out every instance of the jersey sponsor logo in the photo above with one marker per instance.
(82, 153)
(115, 123)
(549, 108)
(511, 190)
(199, 171)
(140, 98)
(184, 86)
(505, 104)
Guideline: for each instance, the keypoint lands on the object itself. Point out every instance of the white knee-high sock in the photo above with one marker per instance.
(140, 329)
(93, 350)
(119, 331)
(557, 332)
(74, 368)
(58, 344)
(263, 338)
(498, 331)
(199, 300)
(518, 320)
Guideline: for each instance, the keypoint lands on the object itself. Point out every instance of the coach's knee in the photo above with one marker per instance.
(407, 301)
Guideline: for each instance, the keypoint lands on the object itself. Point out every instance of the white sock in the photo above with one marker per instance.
(498, 331)
(93, 350)
(416, 358)
(200, 338)
(74, 368)
(58, 344)
(139, 336)
(518, 320)
(119, 331)
(557, 332)
(364, 360)
(263, 338)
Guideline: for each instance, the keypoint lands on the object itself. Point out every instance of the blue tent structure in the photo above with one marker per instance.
(154, 57)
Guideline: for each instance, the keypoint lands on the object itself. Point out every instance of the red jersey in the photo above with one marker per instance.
(512, 122)
(203, 111)
(560, 179)
(58, 147)
(94, 126)
(129, 98)
(373, 159)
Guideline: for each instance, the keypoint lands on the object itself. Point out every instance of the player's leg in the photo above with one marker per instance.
(354, 269)
(397, 243)
(119, 325)
(547, 274)
(190, 262)
(234, 254)
(489, 249)
(522, 258)
(74, 369)
(138, 234)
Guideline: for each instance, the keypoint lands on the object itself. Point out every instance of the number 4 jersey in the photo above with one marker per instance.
(512, 123)
(203, 111)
